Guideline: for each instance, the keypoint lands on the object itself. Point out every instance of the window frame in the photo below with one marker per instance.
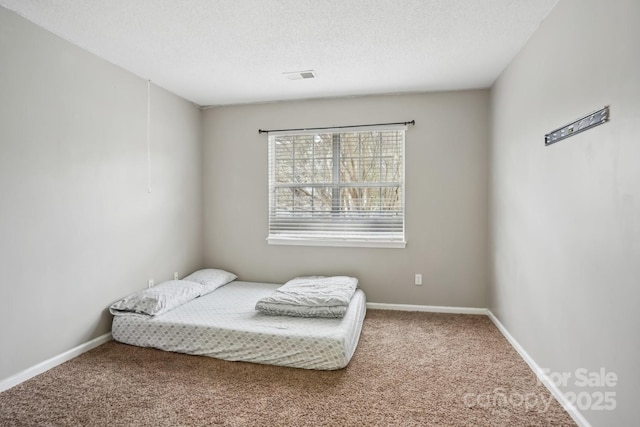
(329, 237)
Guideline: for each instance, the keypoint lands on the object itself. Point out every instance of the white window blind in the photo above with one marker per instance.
(343, 188)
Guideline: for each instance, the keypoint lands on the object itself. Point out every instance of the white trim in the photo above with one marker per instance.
(427, 308)
(541, 374)
(31, 372)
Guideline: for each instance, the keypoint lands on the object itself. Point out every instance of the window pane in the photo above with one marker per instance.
(322, 199)
(353, 199)
(323, 171)
(295, 199)
(284, 172)
(283, 147)
(302, 200)
(323, 145)
(303, 171)
(283, 199)
(371, 199)
(303, 146)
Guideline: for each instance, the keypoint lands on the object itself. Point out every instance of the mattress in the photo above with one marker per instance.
(224, 324)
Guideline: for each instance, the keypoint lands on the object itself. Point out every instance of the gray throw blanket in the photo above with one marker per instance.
(314, 296)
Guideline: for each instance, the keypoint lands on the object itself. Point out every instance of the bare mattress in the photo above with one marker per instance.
(225, 324)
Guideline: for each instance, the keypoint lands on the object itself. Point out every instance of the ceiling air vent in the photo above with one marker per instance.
(299, 75)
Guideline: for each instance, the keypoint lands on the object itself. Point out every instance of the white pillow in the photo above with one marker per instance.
(211, 279)
(158, 299)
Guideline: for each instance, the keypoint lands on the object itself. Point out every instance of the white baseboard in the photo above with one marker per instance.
(426, 308)
(541, 374)
(53, 362)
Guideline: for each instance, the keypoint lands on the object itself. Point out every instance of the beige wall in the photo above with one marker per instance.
(566, 218)
(78, 229)
(446, 197)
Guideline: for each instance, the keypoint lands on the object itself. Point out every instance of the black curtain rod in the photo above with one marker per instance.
(261, 131)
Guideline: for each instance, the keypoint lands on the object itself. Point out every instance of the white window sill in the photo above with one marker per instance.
(344, 243)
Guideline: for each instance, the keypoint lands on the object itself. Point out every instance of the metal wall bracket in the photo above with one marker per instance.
(585, 123)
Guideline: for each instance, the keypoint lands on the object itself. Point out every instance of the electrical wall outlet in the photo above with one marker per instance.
(418, 280)
(175, 276)
(150, 283)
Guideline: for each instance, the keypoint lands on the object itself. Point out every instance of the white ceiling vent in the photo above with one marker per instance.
(299, 75)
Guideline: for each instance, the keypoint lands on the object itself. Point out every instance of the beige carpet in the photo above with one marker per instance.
(410, 369)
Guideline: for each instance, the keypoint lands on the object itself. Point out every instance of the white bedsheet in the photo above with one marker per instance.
(224, 324)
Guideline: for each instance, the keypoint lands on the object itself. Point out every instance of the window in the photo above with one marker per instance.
(337, 188)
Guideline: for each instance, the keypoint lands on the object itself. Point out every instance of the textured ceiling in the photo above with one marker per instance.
(217, 52)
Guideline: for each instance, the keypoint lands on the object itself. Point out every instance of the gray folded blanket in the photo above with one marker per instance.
(314, 296)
